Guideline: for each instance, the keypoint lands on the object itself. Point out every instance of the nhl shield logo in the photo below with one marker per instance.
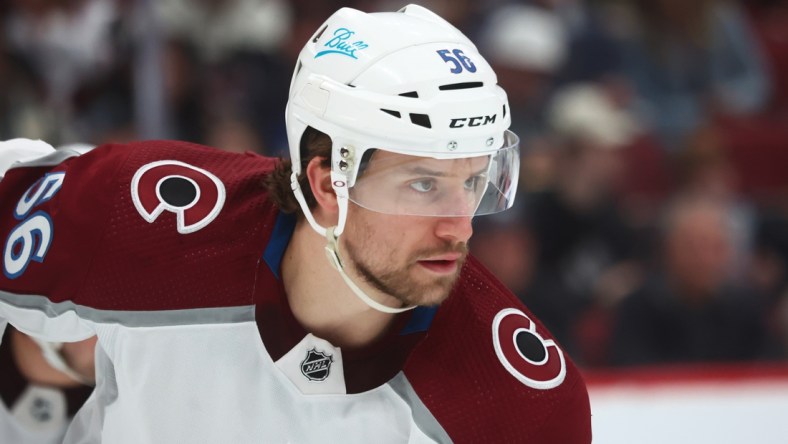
(316, 365)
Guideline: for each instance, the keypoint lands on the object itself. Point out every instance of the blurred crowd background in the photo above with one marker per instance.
(651, 224)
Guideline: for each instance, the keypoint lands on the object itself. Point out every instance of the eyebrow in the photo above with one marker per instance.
(422, 171)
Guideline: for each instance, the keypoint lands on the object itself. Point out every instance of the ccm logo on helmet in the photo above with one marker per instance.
(193, 194)
(472, 121)
(533, 360)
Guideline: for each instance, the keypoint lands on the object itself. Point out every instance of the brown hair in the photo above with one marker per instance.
(313, 144)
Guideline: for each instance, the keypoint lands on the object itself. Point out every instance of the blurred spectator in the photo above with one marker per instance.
(220, 28)
(703, 168)
(588, 113)
(21, 99)
(244, 88)
(769, 273)
(770, 22)
(689, 60)
(592, 52)
(183, 79)
(585, 246)
(691, 308)
(66, 41)
(778, 323)
(229, 52)
(66, 44)
(631, 170)
(526, 46)
(146, 69)
(507, 248)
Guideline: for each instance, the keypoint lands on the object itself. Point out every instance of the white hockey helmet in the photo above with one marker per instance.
(410, 84)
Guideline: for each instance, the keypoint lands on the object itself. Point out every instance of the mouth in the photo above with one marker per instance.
(445, 264)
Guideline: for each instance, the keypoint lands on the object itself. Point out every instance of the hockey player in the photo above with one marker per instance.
(329, 298)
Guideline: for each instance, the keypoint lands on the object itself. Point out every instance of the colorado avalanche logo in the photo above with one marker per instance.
(193, 194)
(534, 361)
(316, 365)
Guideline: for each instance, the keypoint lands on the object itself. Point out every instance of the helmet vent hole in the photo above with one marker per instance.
(319, 34)
(504, 110)
(464, 85)
(392, 112)
(421, 120)
(412, 94)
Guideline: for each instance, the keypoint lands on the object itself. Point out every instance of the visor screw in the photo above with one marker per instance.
(343, 166)
(344, 152)
(452, 145)
(490, 141)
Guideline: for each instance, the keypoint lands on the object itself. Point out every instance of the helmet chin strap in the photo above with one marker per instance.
(332, 245)
(333, 257)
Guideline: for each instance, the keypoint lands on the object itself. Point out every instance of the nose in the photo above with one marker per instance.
(457, 229)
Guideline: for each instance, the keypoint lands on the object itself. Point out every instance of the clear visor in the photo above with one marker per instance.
(403, 184)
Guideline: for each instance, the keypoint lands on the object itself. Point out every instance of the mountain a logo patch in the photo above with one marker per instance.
(535, 361)
(316, 366)
(195, 195)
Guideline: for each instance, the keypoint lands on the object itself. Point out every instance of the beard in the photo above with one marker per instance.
(406, 282)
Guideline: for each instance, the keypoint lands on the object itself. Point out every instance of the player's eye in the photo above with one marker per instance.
(473, 183)
(423, 186)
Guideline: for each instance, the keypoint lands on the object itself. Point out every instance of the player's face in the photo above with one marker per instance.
(415, 259)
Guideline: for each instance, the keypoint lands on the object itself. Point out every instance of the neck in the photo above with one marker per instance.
(319, 298)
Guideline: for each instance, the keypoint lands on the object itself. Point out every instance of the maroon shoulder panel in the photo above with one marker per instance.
(489, 371)
(145, 226)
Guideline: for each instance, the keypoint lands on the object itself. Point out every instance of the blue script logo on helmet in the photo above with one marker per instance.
(339, 44)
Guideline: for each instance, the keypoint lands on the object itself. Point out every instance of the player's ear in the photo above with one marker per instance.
(320, 182)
